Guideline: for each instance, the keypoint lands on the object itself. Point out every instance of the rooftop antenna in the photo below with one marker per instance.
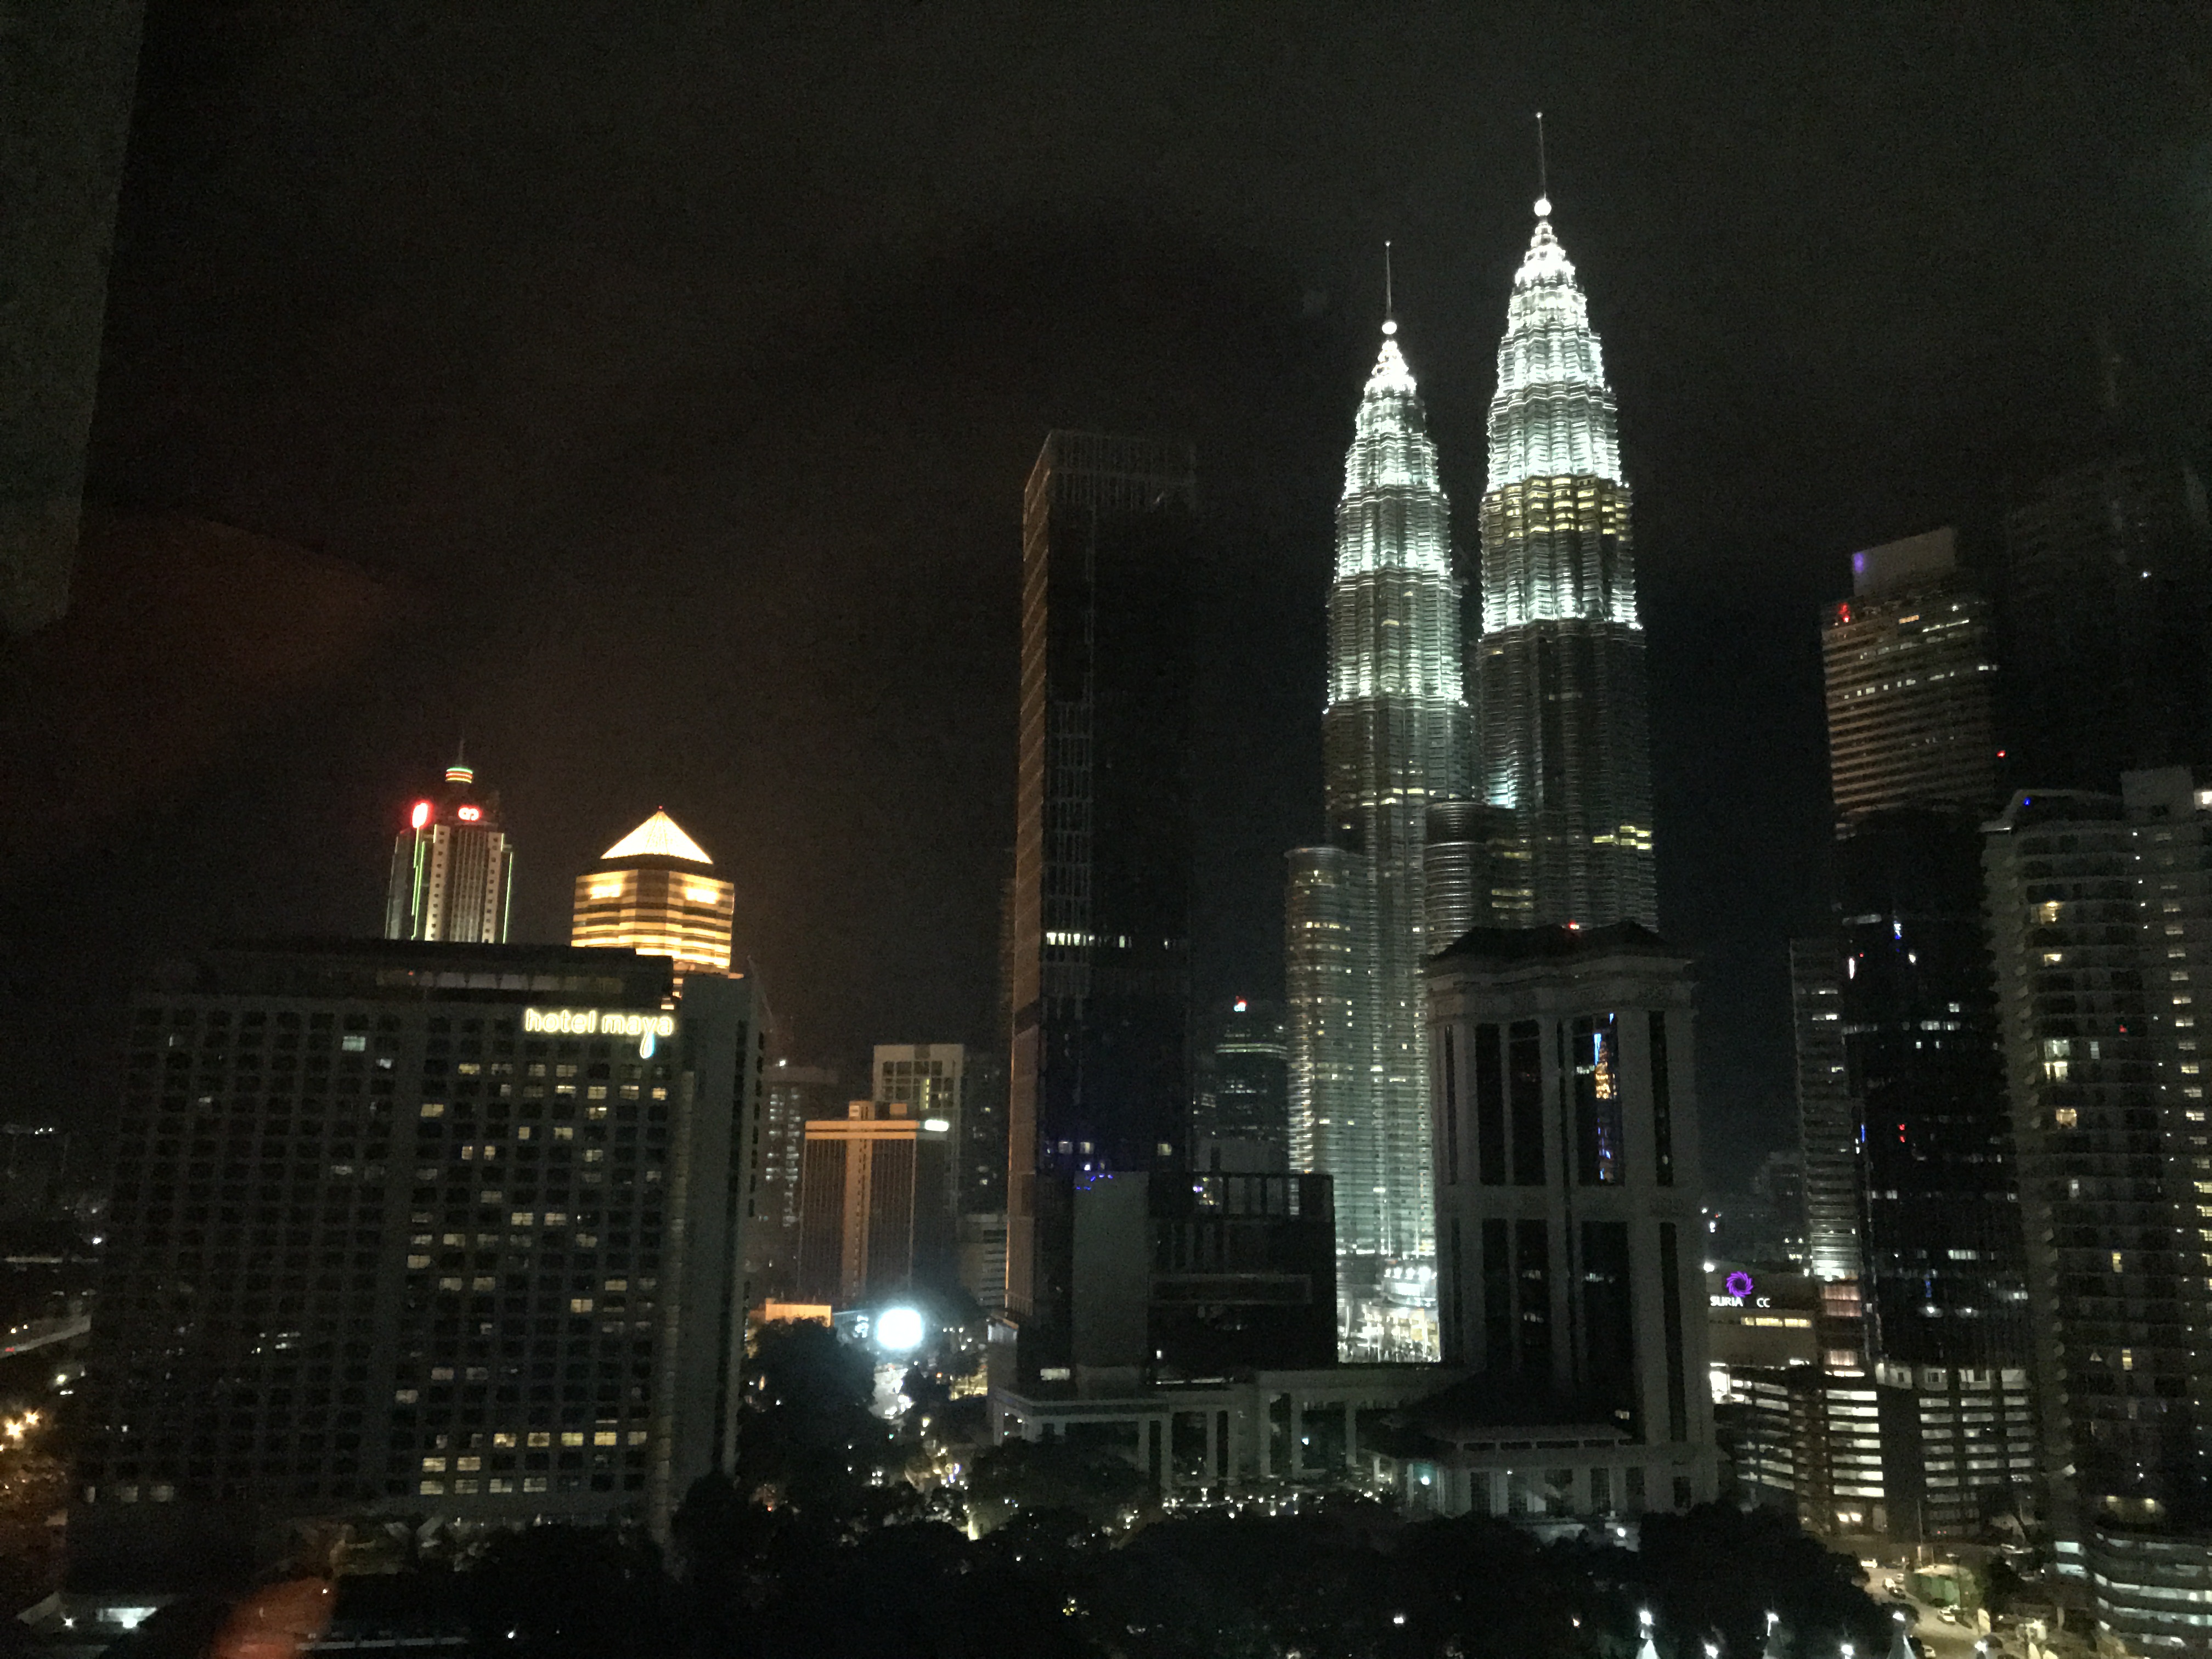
(1389, 305)
(1543, 172)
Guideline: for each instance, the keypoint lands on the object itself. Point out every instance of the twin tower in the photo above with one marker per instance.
(1504, 781)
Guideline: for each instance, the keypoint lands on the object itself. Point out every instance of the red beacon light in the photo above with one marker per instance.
(421, 814)
(470, 814)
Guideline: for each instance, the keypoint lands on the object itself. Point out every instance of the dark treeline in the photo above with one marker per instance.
(841, 1537)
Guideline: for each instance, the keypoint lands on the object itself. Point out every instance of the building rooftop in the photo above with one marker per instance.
(1557, 942)
(658, 838)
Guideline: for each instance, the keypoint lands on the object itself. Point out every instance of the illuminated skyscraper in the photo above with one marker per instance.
(1557, 676)
(1395, 738)
(452, 867)
(656, 892)
(1909, 684)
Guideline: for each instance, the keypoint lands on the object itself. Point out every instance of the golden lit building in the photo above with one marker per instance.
(656, 891)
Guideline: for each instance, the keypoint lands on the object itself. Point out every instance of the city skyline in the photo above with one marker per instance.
(1741, 473)
(1378, 896)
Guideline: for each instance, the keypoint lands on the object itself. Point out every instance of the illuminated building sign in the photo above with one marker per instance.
(470, 814)
(597, 1022)
(1740, 1289)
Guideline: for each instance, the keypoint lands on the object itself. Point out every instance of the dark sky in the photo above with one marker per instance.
(671, 371)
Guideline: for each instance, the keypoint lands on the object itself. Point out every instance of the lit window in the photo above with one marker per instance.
(2066, 1117)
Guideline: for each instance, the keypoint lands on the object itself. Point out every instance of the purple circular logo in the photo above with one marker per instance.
(1740, 1283)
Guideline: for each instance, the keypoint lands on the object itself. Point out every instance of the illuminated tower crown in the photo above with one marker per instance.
(453, 866)
(655, 891)
(1557, 675)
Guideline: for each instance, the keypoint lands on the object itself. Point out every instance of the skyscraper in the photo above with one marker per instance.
(2100, 909)
(1100, 939)
(875, 1209)
(1911, 683)
(1395, 738)
(793, 1096)
(1476, 867)
(1828, 1114)
(452, 867)
(1899, 994)
(2108, 615)
(1557, 680)
(409, 1230)
(1241, 1121)
(655, 891)
(931, 1080)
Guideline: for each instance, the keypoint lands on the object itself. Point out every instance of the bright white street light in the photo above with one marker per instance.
(899, 1330)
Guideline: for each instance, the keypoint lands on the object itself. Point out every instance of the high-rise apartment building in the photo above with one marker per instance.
(403, 1230)
(2100, 907)
(875, 1215)
(1241, 1118)
(1394, 737)
(452, 867)
(1569, 1200)
(2108, 621)
(1558, 681)
(1100, 938)
(656, 892)
(1911, 683)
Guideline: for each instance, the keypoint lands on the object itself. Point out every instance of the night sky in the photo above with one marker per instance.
(644, 393)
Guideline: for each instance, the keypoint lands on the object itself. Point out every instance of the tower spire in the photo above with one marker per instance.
(1389, 305)
(1543, 172)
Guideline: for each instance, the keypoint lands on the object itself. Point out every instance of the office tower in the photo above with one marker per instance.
(874, 1218)
(1394, 737)
(1241, 1119)
(655, 892)
(1828, 1114)
(1100, 935)
(409, 1231)
(791, 1096)
(452, 867)
(1899, 992)
(2108, 610)
(1910, 687)
(1475, 866)
(1558, 676)
(1569, 1200)
(931, 1078)
(1942, 1256)
(2100, 909)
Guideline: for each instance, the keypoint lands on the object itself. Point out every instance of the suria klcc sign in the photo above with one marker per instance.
(1740, 1289)
(597, 1022)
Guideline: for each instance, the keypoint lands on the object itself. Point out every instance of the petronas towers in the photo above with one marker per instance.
(1543, 718)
